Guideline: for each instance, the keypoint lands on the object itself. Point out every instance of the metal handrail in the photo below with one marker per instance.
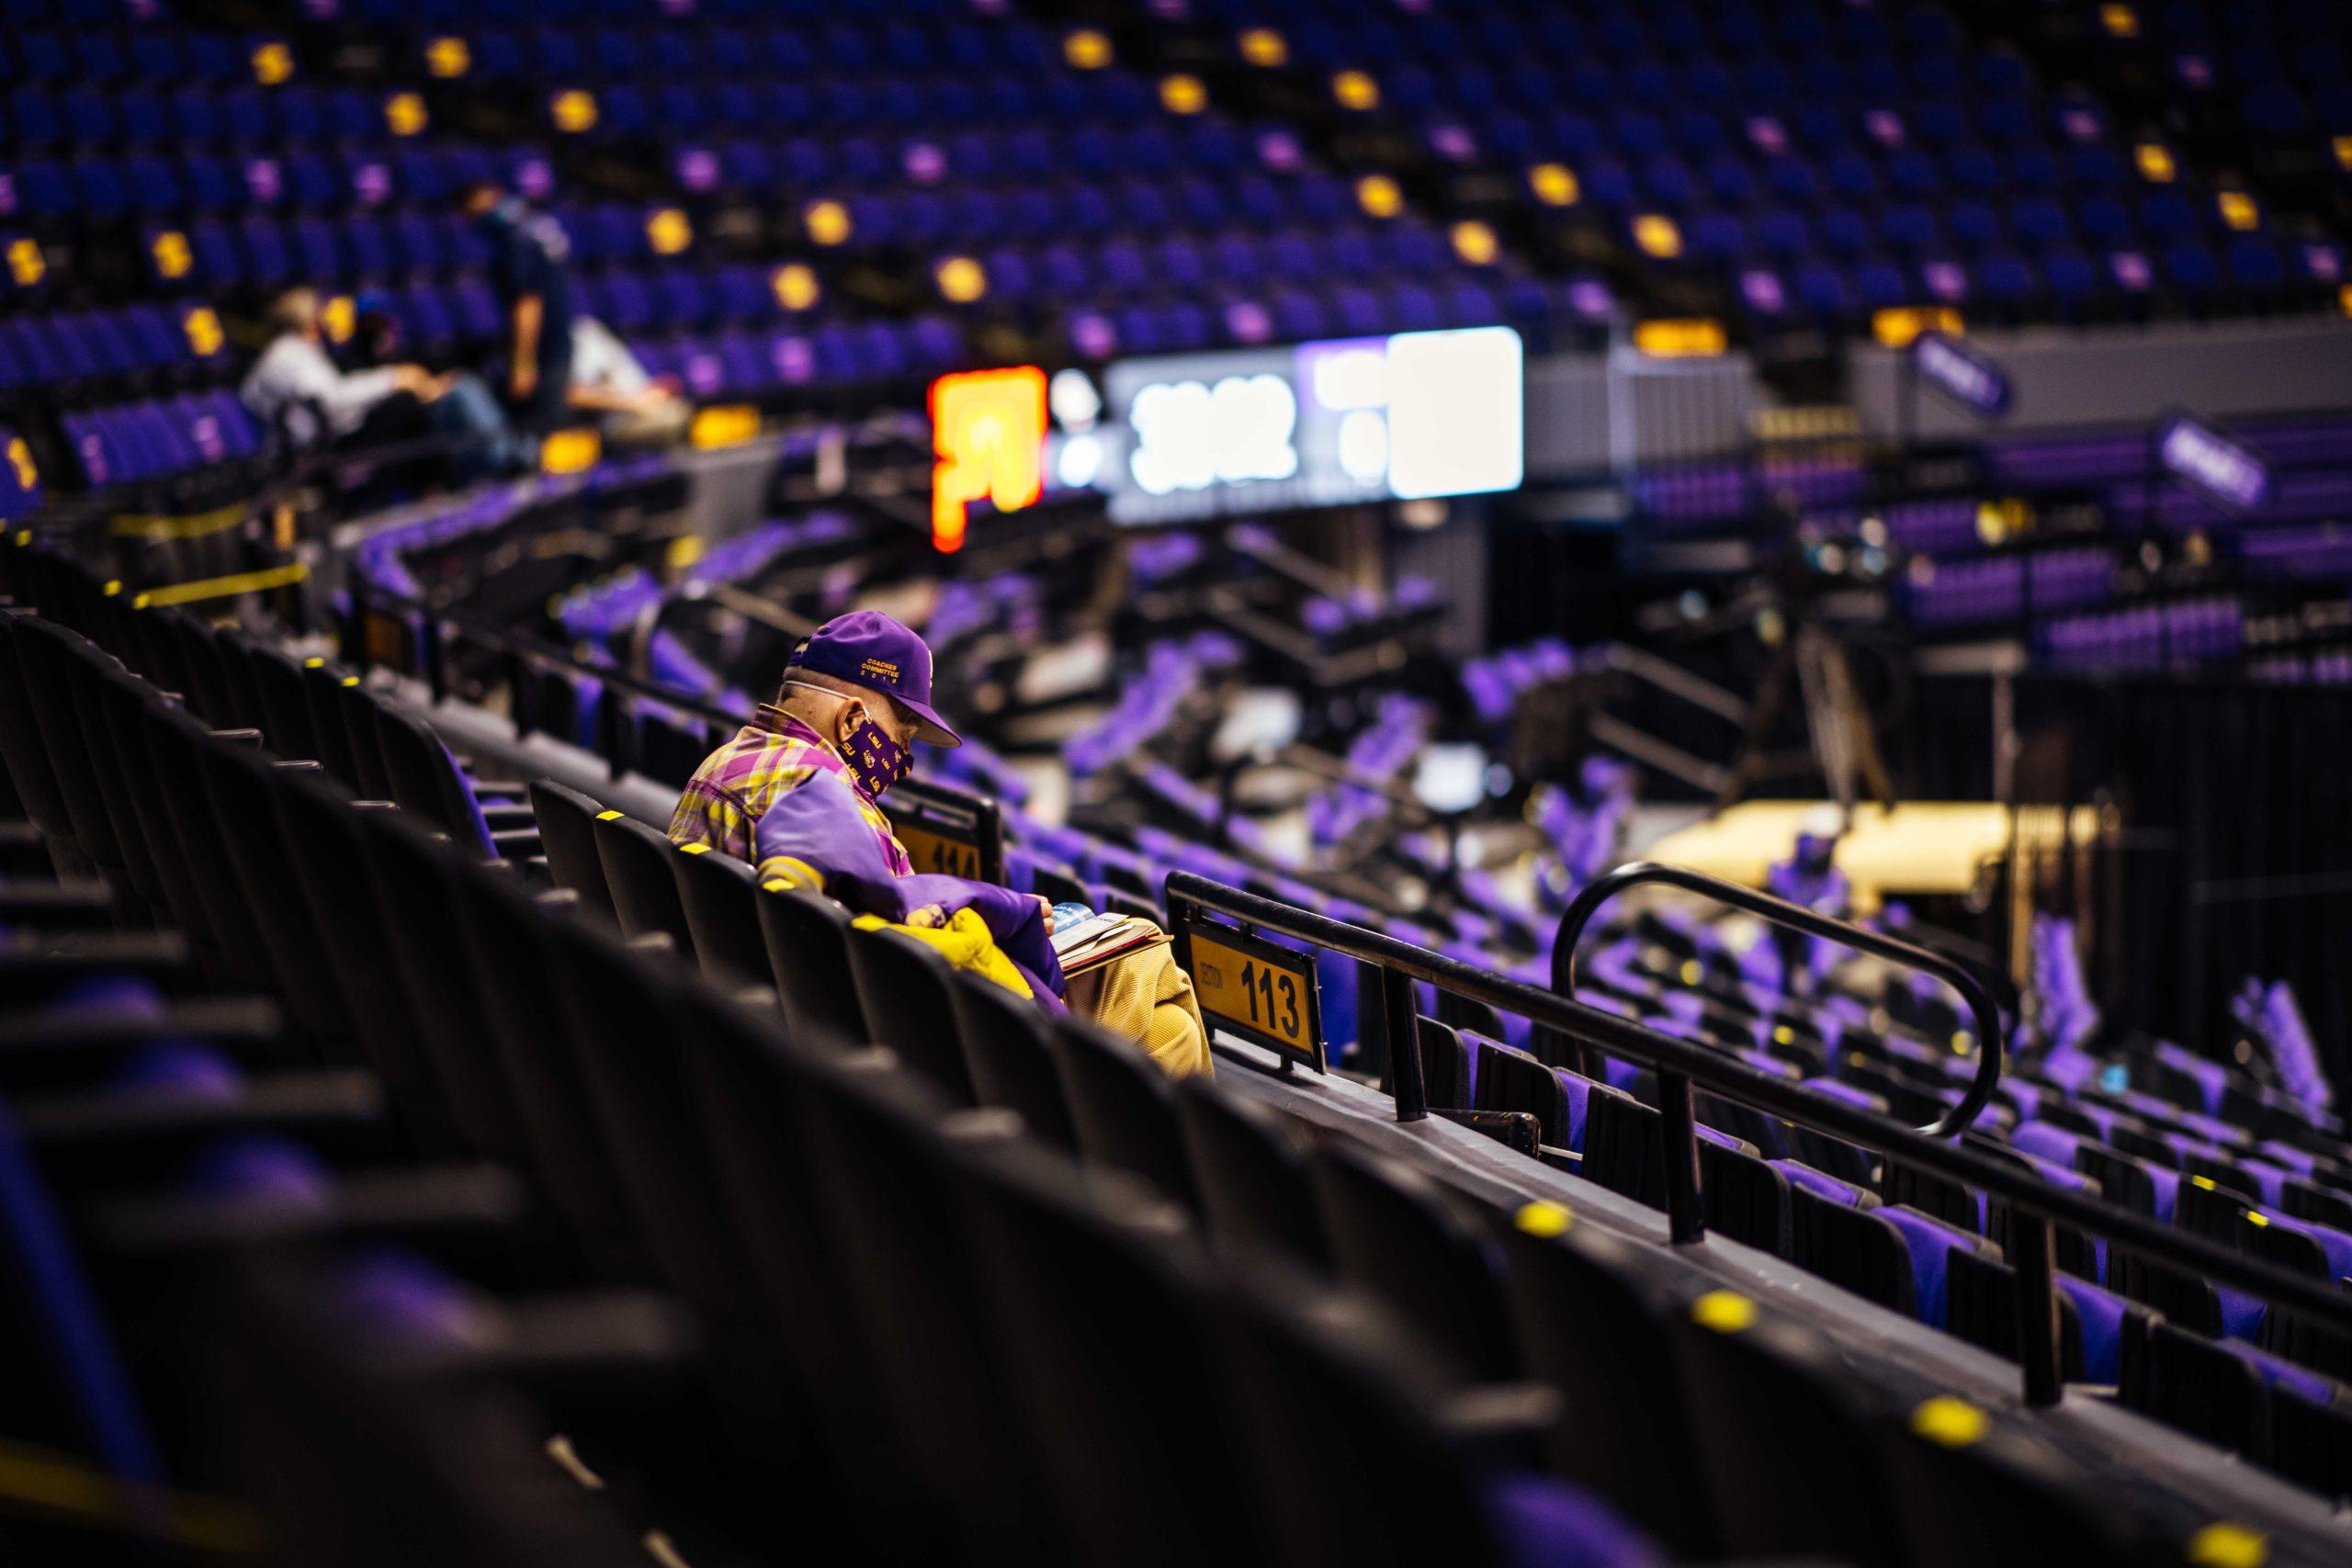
(2034, 1205)
(1811, 922)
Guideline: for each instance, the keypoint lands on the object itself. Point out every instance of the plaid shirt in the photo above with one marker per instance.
(722, 804)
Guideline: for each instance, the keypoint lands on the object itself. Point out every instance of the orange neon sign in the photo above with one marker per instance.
(989, 430)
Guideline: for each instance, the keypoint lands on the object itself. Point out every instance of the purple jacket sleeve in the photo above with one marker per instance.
(819, 823)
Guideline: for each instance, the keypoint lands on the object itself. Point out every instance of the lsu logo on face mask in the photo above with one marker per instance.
(989, 430)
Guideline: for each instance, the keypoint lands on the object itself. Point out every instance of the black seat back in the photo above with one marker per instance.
(1122, 1110)
(323, 692)
(423, 776)
(506, 937)
(751, 1084)
(1250, 1167)
(357, 706)
(1972, 1489)
(567, 832)
(806, 937)
(1093, 1292)
(345, 927)
(46, 654)
(414, 878)
(1790, 1464)
(1397, 1236)
(902, 991)
(1340, 1430)
(889, 1195)
(1590, 1311)
(215, 849)
(626, 1031)
(1010, 1055)
(26, 753)
(716, 892)
(285, 714)
(1512, 1081)
(636, 860)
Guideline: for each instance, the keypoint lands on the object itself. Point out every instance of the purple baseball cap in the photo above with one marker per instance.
(869, 648)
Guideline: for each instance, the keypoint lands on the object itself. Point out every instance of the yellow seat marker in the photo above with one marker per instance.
(2225, 1543)
(1950, 1422)
(1725, 1312)
(1543, 1218)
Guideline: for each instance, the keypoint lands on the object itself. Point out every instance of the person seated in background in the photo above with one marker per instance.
(297, 388)
(795, 792)
(630, 407)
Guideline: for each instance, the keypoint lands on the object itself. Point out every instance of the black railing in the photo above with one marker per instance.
(1797, 917)
(2034, 1205)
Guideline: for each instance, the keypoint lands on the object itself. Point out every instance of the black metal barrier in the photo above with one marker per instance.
(1197, 905)
(945, 828)
(1797, 917)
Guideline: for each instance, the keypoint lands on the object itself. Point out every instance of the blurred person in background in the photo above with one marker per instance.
(296, 388)
(630, 407)
(530, 267)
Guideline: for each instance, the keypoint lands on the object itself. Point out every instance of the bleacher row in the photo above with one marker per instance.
(1819, 162)
(427, 964)
(2168, 1344)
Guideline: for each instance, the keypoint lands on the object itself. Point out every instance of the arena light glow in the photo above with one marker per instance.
(573, 111)
(173, 257)
(961, 280)
(1355, 90)
(1656, 235)
(668, 230)
(723, 424)
(405, 114)
(827, 223)
(1378, 196)
(988, 430)
(796, 286)
(26, 264)
(1475, 242)
(448, 58)
(1554, 184)
(1264, 48)
(202, 326)
(1691, 337)
(273, 63)
(570, 451)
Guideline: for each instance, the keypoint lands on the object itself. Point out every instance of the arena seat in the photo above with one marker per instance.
(1251, 1172)
(1392, 1233)
(636, 860)
(904, 994)
(1009, 1053)
(566, 820)
(1122, 1111)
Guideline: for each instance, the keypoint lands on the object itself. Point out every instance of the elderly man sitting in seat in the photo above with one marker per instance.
(794, 793)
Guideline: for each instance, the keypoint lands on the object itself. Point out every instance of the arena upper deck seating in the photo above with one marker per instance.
(1817, 163)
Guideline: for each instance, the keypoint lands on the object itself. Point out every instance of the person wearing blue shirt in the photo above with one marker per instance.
(530, 264)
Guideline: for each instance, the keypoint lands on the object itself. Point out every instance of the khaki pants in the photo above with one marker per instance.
(1144, 997)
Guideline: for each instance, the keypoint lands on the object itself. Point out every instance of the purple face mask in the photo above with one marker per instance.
(874, 760)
